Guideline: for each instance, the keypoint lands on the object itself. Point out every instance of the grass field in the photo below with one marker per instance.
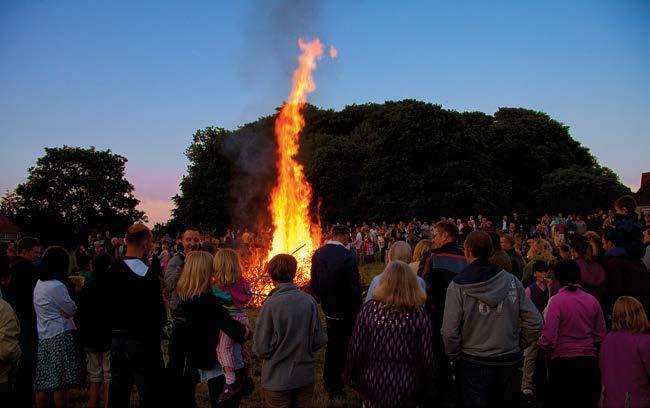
(321, 399)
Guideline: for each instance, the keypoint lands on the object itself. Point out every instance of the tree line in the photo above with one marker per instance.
(390, 161)
(370, 162)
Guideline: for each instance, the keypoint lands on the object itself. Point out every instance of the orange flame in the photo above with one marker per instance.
(294, 232)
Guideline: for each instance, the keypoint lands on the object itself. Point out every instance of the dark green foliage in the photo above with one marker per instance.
(392, 161)
(72, 191)
(205, 200)
(580, 188)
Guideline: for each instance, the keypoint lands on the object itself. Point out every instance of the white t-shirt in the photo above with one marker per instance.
(54, 308)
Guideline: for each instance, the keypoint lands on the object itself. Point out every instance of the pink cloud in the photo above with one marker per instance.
(154, 187)
(156, 210)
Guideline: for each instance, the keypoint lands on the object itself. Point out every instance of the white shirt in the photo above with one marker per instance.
(54, 308)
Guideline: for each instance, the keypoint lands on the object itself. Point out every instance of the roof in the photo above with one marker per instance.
(8, 227)
(643, 195)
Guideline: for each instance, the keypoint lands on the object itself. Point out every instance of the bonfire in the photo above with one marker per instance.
(295, 230)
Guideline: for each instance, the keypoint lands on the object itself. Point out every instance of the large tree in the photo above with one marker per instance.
(580, 188)
(393, 161)
(71, 191)
(204, 201)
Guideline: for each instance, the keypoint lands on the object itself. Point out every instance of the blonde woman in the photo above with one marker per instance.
(390, 357)
(421, 248)
(399, 251)
(625, 357)
(204, 319)
(540, 250)
(234, 292)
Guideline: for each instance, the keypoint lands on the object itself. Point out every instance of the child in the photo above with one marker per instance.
(287, 350)
(234, 292)
(540, 291)
(624, 356)
(369, 249)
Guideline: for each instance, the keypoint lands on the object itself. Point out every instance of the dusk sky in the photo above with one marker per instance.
(139, 79)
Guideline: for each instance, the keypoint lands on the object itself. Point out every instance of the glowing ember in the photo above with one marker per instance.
(294, 233)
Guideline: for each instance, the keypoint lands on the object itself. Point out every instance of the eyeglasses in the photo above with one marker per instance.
(195, 240)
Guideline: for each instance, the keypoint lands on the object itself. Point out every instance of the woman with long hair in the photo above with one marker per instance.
(625, 357)
(58, 366)
(421, 248)
(205, 318)
(390, 356)
(573, 330)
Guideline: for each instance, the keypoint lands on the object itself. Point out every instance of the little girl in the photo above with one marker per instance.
(234, 292)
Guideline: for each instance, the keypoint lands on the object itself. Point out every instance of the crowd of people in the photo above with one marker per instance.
(466, 312)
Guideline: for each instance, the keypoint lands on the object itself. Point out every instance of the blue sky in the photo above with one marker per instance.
(140, 77)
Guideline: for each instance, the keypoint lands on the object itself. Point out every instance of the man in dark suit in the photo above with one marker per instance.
(335, 283)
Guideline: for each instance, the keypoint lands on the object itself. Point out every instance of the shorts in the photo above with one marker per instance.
(98, 365)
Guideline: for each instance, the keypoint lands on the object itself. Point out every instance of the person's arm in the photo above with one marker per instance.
(319, 338)
(9, 332)
(356, 349)
(426, 351)
(530, 319)
(352, 272)
(174, 268)
(61, 298)
(159, 310)
(600, 330)
(233, 329)
(263, 337)
(527, 276)
(642, 344)
(548, 340)
(452, 321)
(314, 277)
(371, 288)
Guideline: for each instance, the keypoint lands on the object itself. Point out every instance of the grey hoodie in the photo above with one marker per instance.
(489, 319)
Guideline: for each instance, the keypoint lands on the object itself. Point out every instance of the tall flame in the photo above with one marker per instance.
(294, 232)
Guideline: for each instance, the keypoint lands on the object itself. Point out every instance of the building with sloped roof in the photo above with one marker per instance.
(8, 230)
(643, 195)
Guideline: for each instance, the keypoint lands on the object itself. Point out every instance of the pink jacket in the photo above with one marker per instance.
(625, 370)
(574, 325)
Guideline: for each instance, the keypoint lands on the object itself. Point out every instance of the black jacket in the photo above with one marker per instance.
(93, 314)
(20, 295)
(335, 281)
(137, 308)
(517, 263)
(204, 318)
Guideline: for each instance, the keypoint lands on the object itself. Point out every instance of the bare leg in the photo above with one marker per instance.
(106, 384)
(61, 399)
(93, 394)
(42, 399)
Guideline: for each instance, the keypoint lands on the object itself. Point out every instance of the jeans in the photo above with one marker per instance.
(135, 362)
(488, 385)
